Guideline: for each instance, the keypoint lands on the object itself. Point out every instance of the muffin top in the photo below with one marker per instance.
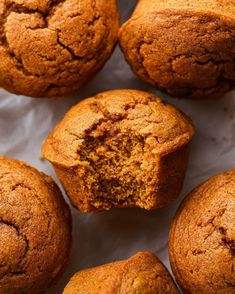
(162, 126)
(159, 53)
(49, 48)
(34, 229)
(202, 239)
(143, 273)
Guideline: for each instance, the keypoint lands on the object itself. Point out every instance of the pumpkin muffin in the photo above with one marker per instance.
(121, 148)
(183, 47)
(143, 273)
(49, 48)
(202, 238)
(35, 229)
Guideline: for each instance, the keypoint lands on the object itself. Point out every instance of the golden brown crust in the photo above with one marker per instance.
(52, 47)
(183, 47)
(35, 229)
(120, 148)
(202, 238)
(141, 274)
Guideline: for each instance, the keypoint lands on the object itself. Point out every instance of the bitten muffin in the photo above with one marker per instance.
(183, 47)
(49, 48)
(35, 229)
(121, 148)
(202, 238)
(143, 273)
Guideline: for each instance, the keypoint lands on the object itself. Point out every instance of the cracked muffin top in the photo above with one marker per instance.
(52, 47)
(185, 48)
(163, 126)
(34, 229)
(143, 273)
(202, 238)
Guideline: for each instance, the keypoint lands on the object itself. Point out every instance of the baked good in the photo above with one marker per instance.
(49, 48)
(143, 273)
(121, 148)
(183, 47)
(202, 238)
(35, 229)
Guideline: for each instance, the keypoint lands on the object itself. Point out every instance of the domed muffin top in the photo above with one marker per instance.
(202, 239)
(162, 126)
(155, 42)
(51, 47)
(34, 229)
(142, 273)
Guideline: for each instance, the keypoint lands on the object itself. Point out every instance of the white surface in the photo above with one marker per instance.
(104, 237)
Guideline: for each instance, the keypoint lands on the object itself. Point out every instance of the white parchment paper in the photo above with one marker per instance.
(104, 237)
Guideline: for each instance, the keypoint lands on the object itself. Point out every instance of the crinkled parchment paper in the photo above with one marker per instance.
(103, 237)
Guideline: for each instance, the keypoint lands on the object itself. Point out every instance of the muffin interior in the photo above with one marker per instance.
(117, 172)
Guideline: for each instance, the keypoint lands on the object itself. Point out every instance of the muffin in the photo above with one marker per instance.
(185, 48)
(143, 273)
(202, 238)
(121, 148)
(35, 229)
(50, 48)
